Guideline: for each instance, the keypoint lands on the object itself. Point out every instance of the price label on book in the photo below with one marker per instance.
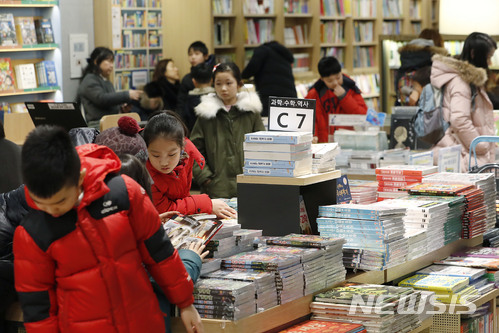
(291, 114)
(449, 159)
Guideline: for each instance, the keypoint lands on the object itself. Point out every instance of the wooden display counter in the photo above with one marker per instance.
(273, 203)
(280, 316)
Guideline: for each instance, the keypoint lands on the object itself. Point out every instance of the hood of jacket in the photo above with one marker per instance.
(420, 44)
(99, 161)
(211, 104)
(445, 69)
(281, 50)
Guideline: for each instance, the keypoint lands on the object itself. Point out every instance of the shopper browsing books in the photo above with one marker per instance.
(466, 105)
(167, 77)
(223, 120)
(96, 92)
(335, 93)
(170, 163)
(78, 202)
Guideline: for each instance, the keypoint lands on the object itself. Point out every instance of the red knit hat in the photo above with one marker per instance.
(124, 139)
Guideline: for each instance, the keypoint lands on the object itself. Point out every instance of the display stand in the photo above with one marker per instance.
(272, 204)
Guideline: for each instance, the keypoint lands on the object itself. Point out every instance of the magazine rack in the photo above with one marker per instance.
(273, 203)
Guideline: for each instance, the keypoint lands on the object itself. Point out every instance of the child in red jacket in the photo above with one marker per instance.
(82, 251)
(171, 157)
(335, 93)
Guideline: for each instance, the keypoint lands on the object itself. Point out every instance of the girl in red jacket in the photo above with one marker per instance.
(171, 157)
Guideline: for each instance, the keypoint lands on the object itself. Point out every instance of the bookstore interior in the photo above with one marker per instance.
(365, 233)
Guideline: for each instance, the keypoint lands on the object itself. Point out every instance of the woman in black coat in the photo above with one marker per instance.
(271, 66)
(167, 76)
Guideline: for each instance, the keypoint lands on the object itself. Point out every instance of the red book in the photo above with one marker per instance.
(399, 178)
(398, 184)
(318, 326)
(406, 170)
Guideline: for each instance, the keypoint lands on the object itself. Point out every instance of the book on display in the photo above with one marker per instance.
(458, 271)
(184, 229)
(320, 326)
(279, 156)
(306, 241)
(278, 137)
(406, 170)
(276, 147)
(437, 283)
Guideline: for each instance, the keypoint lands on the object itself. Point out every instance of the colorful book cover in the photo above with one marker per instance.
(223, 287)
(437, 283)
(319, 326)
(7, 81)
(278, 137)
(44, 32)
(49, 73)
(183, 230)
(438, 189)
(25, 29)
(8, 36)
(261, 260)
(343, 194)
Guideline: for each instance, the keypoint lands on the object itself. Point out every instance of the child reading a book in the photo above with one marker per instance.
(192, 256)
(170, 163)
(81, 208)
(223, 120)
(335, 93)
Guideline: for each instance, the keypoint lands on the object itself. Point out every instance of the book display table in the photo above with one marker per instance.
(273, 203)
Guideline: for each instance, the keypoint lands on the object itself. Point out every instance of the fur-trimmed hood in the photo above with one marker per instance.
(211, 104)
(445, 69)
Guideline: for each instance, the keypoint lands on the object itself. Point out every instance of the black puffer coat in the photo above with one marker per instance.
(271, 67)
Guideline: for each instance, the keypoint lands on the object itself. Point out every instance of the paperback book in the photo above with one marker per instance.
(25, 29)
(437, 283)
(278, 137)
(8, 35)
(7, 81)
(184, 229)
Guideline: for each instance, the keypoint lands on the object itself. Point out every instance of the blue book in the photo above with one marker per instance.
(49, 73)
(271, 172)
(256, 163)
(278, 137)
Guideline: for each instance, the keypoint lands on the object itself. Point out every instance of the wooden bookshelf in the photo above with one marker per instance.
(133, 33)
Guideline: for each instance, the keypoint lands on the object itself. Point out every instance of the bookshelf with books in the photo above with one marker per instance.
(133, 29)
(29, 32)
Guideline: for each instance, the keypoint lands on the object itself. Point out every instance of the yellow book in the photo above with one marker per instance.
(441, 284)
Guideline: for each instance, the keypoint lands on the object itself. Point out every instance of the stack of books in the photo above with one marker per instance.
(210, 265)
(312, 261)
(426, 215)
(474, 215)
(277, 154)
(362, 304)
(476, 276)
(482, 320)
(319, 326)
(330, 246)
(324, 157)
(223, 244)
(417, 243)
(484, 181)
(224, 299)
(453, 224)
(363, 191)
(245, 238)
(287, 269)
(376, 229)
(265, 288)
(491, 238)
(392, 177)
(448, 289)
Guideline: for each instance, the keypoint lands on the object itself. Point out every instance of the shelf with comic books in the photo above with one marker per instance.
(133, 30)
(29, 34)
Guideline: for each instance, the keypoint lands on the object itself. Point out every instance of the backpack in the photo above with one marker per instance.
(429, 123)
